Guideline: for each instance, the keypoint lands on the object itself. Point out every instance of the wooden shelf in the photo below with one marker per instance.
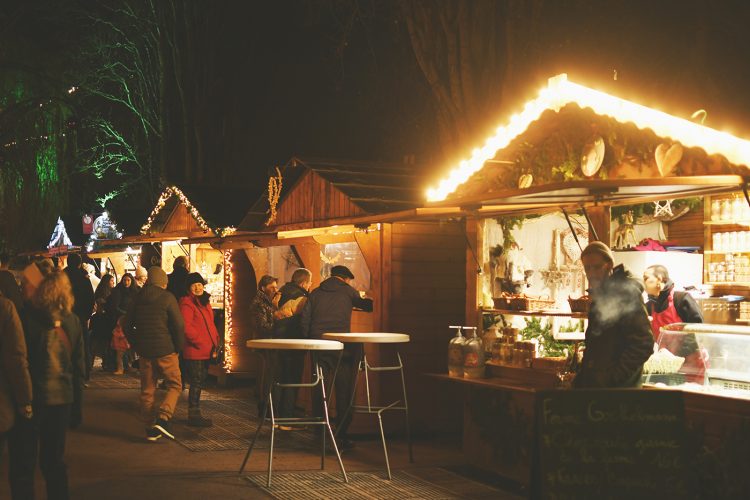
(727, 223)
(550, 313)
(728, 283)
(722, 252)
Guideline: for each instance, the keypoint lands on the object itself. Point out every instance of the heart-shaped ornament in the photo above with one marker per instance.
(667, 157)
(593, 156)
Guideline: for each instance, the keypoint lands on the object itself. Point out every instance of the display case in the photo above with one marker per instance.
(726, 241)
(700, 357)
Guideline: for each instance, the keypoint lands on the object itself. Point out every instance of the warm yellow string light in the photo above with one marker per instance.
(274, 193)
(165, 196)
(228, 305)
(560, 92)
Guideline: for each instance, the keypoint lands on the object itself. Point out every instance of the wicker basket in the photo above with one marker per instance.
(502, 303)
(530, 303)
(580, 304)
(552, 364)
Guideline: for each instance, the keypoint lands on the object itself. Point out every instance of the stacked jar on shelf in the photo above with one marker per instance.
(730, 209)
(735, 267)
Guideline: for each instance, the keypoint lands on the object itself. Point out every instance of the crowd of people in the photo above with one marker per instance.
(55, 322)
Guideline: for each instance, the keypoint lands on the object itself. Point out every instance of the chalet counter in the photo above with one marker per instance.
(499, 422)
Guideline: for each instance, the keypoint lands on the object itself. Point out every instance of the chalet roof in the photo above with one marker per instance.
(374, 187)
(562, 95)
(213, 207)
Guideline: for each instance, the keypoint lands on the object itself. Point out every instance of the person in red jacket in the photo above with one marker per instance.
(201, 338)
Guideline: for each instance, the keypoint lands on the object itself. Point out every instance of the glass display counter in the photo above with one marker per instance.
(700, 357)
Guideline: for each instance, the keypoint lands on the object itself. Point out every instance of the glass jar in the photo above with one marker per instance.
(716, 240)
(716, 210)
(726, 209)
(737, 208)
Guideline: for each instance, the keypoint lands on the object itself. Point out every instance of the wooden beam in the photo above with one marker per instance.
(601, 217)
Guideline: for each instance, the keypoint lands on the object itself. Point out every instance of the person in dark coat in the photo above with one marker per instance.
(118, 305)
(176, 282)
(84, 302)
(329, 310)
(9, 288)
(15, 380)
(156, 330)
(264, 308)
(293, 297)
(54, 340)
(618, 336)
(667, 306)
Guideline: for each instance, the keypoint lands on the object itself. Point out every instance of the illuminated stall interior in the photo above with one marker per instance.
(321, 213)
(580, 151)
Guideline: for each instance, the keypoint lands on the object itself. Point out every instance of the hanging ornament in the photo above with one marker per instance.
(525, 181)
(667, 157)
(274, 192)
(663, 210)
(593, 156)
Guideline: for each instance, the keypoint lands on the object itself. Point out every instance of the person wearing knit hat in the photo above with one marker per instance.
(157, 277)
(155, 328)
(618, 336)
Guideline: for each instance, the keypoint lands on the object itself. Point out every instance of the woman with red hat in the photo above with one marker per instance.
(201, 343)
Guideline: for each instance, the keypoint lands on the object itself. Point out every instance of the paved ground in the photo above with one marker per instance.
(109, 458)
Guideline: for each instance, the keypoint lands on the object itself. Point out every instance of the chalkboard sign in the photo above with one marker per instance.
(609, 444)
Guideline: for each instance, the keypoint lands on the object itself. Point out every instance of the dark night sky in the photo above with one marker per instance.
(284, 85)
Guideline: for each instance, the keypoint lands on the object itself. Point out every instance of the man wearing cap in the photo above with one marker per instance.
(329, 310)
(263, 308)
(84, 303)
(618, 337)
(155, 328)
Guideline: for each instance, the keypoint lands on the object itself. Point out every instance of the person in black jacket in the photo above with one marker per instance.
(84, 303)
(329, 310)
(155, 328)
(666, 306)
(293, 296)
(178, 277)
(618, 336)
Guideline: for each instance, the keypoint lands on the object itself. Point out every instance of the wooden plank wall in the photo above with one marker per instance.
(688, 229)
(314, 199)
(427, 294)
(180, 221)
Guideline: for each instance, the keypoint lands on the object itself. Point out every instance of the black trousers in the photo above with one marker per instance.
(42, 438)
(343, 385)
(197, 373)
(290, 366)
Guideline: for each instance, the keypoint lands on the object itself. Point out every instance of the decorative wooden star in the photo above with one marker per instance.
(663, 210)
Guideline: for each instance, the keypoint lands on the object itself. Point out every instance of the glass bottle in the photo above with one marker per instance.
(737, 208)
(474, 359)
(456, 354)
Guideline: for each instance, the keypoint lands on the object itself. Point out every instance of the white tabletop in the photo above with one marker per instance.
(369, 338)
(300, 344)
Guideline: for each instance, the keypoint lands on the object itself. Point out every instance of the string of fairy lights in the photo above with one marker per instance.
(165, 196)
(228, 306)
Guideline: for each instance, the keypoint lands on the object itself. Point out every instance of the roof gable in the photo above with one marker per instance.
(561, 95)
(316, 192)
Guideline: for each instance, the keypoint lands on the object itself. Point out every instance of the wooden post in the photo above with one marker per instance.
(474, 242)
(601, 218)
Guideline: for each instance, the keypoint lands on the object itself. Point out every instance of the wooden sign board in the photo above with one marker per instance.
(609, 444)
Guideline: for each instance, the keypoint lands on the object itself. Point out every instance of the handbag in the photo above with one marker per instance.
(217, 349)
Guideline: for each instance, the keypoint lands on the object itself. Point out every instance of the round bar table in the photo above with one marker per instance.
(318, 383)
(363, 366)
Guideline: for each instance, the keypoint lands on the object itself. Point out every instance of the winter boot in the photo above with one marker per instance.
(195, 419)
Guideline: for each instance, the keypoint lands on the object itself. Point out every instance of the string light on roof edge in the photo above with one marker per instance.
(228, 306)
(560, 92)
(165, 196)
